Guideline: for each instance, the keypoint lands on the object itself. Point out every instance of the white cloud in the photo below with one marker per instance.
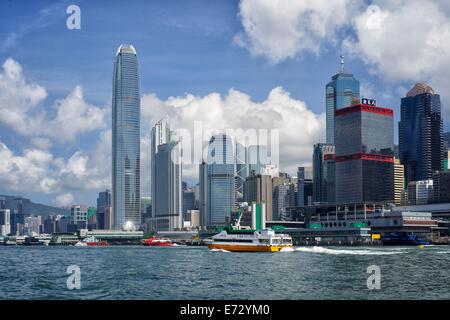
(405, 42)
(65, 199)
(298, 126)
(21, 106)
(278, 29)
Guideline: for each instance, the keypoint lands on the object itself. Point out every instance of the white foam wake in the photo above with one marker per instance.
(345, 251)
(219, 250)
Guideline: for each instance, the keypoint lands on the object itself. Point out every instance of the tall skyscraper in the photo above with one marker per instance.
(160, 135)
(324, 173)
(126, 194)
(103, 205)
(364, 154)
(341, 92)
(167, 182)
(421, 140)
(258, 188)
(217, 182)
(280, 201)
(304, 186)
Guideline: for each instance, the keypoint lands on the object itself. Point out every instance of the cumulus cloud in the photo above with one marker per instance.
(22, 109)
(405, 42)
(278, 29)
(299, 127)
(65, 199)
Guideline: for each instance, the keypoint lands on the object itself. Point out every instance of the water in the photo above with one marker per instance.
(137, 272)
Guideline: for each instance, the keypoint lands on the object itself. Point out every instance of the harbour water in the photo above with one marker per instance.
(136, 272)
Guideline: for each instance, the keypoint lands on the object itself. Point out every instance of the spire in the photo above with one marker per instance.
(342, 62)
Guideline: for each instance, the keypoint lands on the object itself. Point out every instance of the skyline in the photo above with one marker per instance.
(67, 86)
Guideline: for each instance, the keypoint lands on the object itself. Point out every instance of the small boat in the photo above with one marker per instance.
(244, 239)
(157, 242)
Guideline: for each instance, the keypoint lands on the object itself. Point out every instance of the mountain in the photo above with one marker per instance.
(26, 206)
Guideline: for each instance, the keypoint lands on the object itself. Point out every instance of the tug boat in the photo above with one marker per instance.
(157, 242)
(244, 239)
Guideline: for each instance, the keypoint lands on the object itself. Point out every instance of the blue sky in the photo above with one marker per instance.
(183, 47)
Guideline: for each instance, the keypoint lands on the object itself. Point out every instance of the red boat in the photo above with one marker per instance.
(93, 242)
(157, 242)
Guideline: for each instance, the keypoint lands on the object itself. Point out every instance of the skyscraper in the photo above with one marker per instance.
(421, 140)
(103, 205)
(126, 195)
(167, 183)
(304, 186)
(258, 188)
(217, 182)
(341, 92)
(364, 154)
(399, 182)
(324, 173)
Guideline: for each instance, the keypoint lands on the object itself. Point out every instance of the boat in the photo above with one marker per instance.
(157, 242)
(237, 238)
(91, 242)
(402, 239)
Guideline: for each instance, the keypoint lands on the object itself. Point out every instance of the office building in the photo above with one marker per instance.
(304, 186)
(420, 192)
(217, 182)
(441, 187)
(103, 203)
(5, 222)
(364, 154)
(258, 189)
(126, 163)
(399, 182)
(421, 141)
(341, 92)
(324, 173)
(280, 200)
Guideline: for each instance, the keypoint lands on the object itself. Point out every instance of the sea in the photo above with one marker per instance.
(187, 273)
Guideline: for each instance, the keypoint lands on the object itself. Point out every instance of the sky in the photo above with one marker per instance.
(259, 64)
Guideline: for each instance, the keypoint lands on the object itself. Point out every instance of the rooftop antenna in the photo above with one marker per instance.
(342, 62)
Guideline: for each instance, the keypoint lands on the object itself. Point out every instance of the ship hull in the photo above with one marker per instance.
(246, 248)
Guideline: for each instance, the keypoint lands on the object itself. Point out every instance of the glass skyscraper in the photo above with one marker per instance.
(421, 137)
(126, 197)
(324, 173)
(364, 154)
(218, 181)
(341, 92)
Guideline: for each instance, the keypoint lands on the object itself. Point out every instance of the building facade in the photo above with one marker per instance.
(420, 192)
(341, 92)
(421, 141)
(217, 182)
(258, 188)
(441, 187)
(126, 163)
(364, 154)
(324, 173)
(399, 182)
(103, 204)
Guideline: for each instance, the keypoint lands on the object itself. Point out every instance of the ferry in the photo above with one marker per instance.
(244, 239)
(157, 242)
(92, 242)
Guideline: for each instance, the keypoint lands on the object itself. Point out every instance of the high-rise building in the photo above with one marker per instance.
(217, 182)
(258, 189)
(160, 135)
(280, 201)
(5, 222)
(78, 218)
(103, 203)
(399, 182)
(126, 164)
(421, 141)
(189, 202)
(167, 187)
(441, 186)
(304, 186)
(242, 169)
(257, 158)
(364, 154)
(420, 192)
(341, 92)
(324, 173)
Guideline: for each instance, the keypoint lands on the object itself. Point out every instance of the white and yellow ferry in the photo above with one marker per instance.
(241, 239)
